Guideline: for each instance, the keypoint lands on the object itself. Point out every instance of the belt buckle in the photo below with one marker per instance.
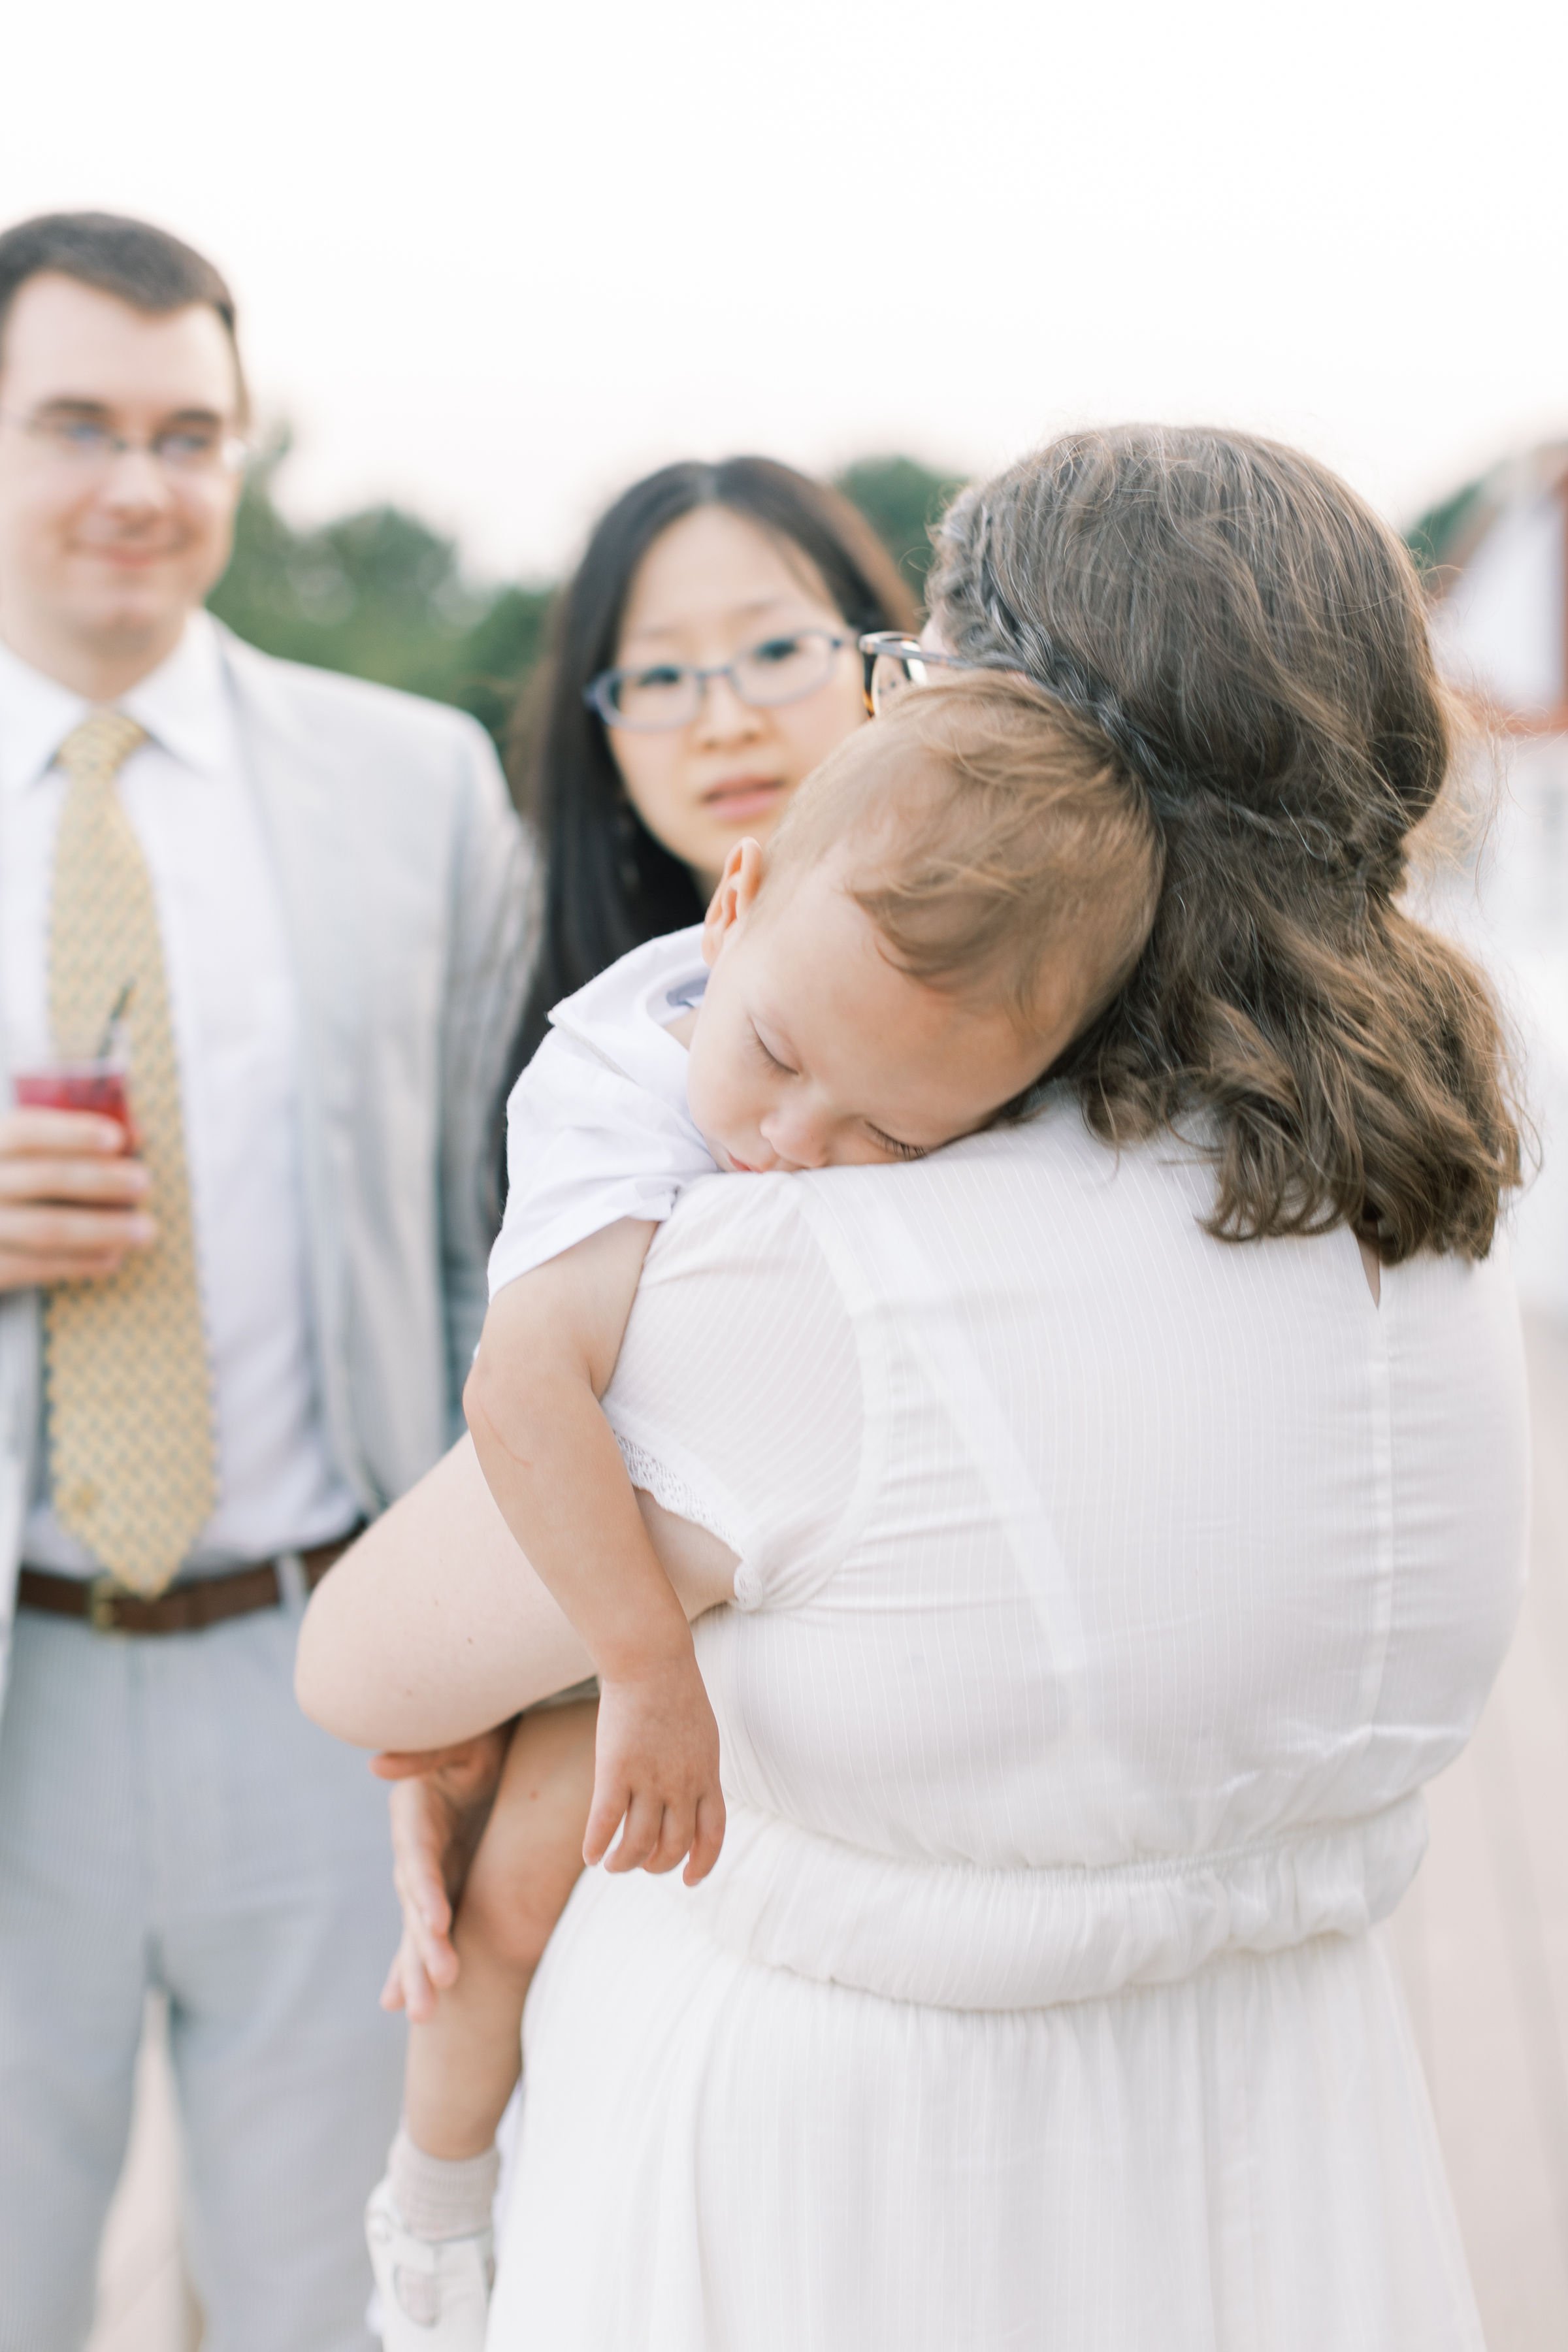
(103, 1598)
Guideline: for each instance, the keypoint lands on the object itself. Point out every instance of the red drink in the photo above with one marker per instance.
(96, 1086)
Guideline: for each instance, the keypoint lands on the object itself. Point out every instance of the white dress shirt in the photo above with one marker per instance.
(597, 1126)
(232, 993)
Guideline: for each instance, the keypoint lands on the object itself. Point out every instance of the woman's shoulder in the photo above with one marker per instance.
(1044, 1216)
(1023, 1186)
(1010, 1187)
(1044, 1210)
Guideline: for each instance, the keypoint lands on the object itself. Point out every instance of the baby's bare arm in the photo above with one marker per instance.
(549, 1458)
(551, 1461)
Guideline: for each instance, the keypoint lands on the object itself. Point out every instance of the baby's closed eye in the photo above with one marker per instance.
(769, 1056)
(899, 1150)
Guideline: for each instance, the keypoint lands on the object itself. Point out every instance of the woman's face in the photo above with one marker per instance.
(710, 587)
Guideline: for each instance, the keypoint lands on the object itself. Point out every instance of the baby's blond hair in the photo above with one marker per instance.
(991, 832)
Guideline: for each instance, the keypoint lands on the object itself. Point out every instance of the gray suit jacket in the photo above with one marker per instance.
(407, 883)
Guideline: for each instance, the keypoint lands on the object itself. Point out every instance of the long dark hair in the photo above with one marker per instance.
(608, 884)
(1252, 640)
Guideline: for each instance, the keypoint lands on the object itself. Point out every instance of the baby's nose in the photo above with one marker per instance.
(799, 1142)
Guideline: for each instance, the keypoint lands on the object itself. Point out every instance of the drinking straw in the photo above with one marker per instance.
(106, 1043)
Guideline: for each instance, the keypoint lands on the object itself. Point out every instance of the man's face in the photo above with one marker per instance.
(102, 555)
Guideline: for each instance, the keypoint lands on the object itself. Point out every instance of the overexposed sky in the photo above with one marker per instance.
(495, 259)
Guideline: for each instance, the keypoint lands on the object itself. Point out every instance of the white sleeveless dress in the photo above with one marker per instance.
(1107, 1595)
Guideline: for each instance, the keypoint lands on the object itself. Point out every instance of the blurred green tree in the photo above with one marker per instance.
(900, 499)
(1433, 536)
(382, 596)
(378, 595)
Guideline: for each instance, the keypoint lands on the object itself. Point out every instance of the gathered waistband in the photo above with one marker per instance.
(954, 1936)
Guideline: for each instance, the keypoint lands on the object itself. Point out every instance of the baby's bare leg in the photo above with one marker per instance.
(462, 2065)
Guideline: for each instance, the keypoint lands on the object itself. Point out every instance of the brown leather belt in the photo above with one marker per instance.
(186, 1608)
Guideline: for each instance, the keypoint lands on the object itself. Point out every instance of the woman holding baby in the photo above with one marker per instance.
(1097, 1529)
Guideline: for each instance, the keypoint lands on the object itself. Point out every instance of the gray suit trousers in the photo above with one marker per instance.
(168, 1818)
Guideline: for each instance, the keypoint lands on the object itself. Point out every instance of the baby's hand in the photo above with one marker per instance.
(655, 1770)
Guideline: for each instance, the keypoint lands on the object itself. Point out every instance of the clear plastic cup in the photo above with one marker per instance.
(96, 1086)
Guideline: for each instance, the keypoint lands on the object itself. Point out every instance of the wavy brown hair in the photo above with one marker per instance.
(1252, 640)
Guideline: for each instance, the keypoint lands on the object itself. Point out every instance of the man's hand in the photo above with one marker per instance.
(439, 1809)
(657, 1770)
(71, 1199)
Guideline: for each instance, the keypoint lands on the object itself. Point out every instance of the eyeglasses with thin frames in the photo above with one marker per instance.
(895, 662)
(657, 697)
(181, 452)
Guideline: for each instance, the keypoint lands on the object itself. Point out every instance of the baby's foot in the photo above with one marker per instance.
(435, 2292)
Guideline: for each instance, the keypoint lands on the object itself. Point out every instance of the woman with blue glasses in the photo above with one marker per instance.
(704, 658)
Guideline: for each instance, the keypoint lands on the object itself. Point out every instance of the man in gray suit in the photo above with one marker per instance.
(222, 1349)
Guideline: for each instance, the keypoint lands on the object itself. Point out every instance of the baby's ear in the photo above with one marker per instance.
(738, 887)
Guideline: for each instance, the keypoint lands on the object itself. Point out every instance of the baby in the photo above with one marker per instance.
(951, 899)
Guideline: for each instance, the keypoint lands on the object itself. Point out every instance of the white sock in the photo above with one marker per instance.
(441, 2197)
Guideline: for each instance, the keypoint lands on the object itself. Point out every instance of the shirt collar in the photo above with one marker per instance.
(36, 714)
(183, 704)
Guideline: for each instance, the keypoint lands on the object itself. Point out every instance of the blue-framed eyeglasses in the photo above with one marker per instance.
(657, 696)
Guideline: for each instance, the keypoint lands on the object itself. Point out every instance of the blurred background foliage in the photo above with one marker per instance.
(900, 499)
(382, 596)
(1434, 535)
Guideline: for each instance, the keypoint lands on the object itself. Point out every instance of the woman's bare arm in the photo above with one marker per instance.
(434, 1627)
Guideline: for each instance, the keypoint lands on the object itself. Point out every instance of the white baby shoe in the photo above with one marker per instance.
(434, 2293)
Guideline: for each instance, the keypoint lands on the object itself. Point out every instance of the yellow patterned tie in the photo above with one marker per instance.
(131, 1457)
